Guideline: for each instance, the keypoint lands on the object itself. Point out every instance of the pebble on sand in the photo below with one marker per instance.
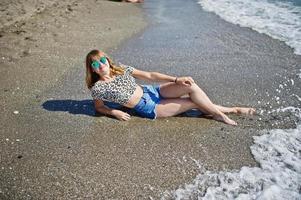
(16, 112)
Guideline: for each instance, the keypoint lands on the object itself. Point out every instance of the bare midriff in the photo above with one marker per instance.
(135, 98)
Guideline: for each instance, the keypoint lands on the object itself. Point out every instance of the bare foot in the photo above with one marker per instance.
(247, 111)
(225, 119)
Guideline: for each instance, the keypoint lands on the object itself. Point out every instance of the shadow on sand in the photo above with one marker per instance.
(83, 107)
(79, 107)
(86, 107)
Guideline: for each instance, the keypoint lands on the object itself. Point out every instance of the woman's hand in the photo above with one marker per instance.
(123, 116)
(186, 80)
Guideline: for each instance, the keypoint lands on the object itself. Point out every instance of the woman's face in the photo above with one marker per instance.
(100, 65)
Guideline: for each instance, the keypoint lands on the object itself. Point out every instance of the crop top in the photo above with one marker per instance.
(120, 90)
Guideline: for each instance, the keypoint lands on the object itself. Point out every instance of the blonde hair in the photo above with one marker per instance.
(91, 76)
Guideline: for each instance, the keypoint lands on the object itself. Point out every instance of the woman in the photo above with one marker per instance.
(112, 83)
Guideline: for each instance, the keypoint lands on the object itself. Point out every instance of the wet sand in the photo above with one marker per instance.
(57, 148)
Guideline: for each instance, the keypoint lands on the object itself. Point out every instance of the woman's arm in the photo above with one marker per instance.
(102, 108)
(159, 77)
(152, 76)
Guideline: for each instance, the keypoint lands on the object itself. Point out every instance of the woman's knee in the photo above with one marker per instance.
(194, 87)
(188, 88)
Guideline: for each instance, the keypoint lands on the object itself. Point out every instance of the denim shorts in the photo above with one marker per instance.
(148, 102)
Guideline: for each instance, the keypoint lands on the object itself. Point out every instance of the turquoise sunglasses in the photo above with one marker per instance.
(96, 64)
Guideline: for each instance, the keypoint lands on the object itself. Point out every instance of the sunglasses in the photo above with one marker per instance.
(96, 64)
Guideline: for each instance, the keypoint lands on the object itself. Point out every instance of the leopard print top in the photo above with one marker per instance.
(120, 90)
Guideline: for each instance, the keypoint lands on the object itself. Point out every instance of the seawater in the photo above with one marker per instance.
(280, 19)
(279, 176)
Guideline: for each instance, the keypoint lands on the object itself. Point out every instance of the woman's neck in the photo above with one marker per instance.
(106, 78)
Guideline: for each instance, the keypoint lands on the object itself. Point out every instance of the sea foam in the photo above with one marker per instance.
(280, 20)
(278, 153)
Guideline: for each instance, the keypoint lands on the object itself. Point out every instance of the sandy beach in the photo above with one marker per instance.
(53, 146)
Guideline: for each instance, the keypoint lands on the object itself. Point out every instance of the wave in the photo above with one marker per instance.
(280, 20)
(278, 177)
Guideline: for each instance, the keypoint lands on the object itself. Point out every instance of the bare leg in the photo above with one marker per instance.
(224, 109)
(198, 97)
(176, 93)
(236, 110)
(175, 106)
